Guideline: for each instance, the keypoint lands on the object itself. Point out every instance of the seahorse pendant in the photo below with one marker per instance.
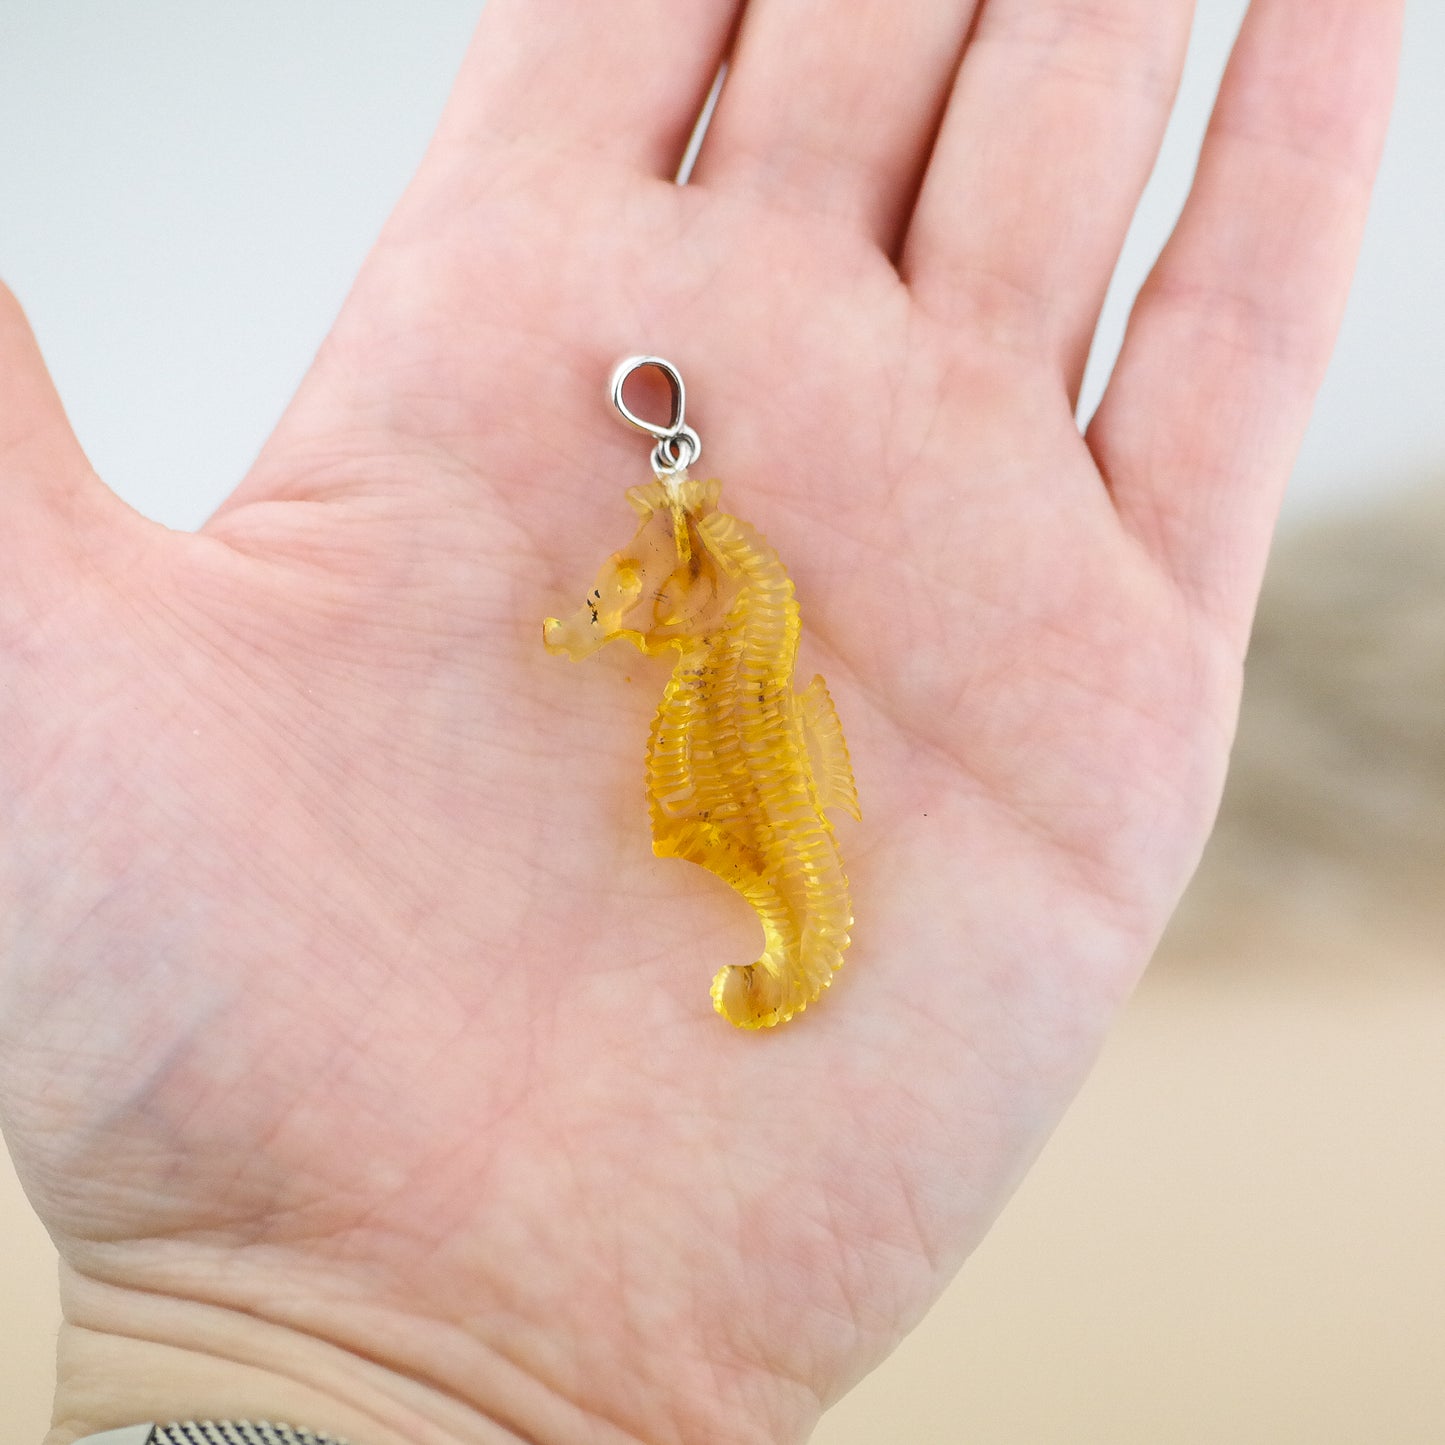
(742, 769)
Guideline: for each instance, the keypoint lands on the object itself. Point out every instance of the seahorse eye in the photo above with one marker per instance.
(629, 579)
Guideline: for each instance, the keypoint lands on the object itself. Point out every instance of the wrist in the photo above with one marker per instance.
(125, 1357)
(105, 1383)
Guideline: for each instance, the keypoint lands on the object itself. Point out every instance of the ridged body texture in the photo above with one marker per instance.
(741, 768)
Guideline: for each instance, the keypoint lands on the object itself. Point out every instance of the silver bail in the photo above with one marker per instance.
(678, 445)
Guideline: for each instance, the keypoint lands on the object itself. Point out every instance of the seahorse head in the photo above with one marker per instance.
(665, 588)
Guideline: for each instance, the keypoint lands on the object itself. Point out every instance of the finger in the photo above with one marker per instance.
(833, 116)
(35, 434)
(1230, 336)
(49, 494)
(1051, 132)
(623, 80)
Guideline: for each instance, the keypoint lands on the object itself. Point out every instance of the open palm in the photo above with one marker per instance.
(341, 988)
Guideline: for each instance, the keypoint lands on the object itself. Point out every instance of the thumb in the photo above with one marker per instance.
(51, 500)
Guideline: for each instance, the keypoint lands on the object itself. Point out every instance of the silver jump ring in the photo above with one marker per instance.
(676, 453)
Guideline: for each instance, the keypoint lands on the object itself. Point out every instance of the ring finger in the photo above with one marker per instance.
(1051, 132)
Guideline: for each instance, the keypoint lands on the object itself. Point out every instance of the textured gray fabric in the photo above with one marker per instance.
(212, 1432)
(237, 1432)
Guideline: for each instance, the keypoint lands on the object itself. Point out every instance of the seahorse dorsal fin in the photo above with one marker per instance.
(832, 768)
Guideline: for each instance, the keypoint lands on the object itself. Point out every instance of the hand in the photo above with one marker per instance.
(356, 1050)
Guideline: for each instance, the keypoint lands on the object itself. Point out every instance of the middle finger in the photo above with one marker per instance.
(831, 110)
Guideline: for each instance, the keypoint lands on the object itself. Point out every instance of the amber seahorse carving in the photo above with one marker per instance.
(741, 769)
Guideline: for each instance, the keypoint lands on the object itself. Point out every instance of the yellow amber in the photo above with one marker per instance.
(741, 769)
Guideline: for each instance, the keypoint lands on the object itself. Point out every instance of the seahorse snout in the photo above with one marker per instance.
(577, 637)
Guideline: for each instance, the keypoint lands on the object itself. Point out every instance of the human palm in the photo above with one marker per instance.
(342, 989)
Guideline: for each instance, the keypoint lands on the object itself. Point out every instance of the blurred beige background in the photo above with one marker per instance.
(1236, 1236)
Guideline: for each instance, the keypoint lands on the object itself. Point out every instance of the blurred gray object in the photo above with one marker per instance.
(1334, 811)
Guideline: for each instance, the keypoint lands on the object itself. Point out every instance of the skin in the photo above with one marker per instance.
(349, 1043)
